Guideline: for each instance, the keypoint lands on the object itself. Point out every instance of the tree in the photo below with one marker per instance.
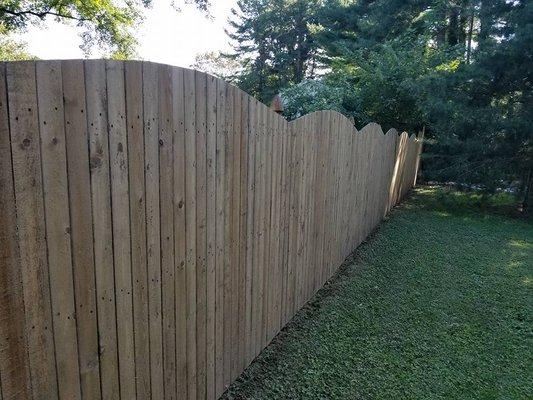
(274, 44)
(108, 24)
(215, 64)
(12, 50)
(461, 68)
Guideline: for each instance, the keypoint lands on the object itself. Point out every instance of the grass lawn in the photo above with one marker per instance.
(437, 304)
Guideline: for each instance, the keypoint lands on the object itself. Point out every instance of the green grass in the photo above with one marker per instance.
(438, 304)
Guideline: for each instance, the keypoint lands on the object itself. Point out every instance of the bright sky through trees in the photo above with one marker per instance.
(166, 36)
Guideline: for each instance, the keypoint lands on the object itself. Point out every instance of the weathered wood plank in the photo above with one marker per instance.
(14, 362)
(201, 231)
(118, 153)
(180, 245)
(166, 190)
(190, 225)
(211, 132)
(81, 231)
(250, 218)
(240, 239)
(153, 226)
(96, 99)
(137, 201)
(220, 239)
(228, 169)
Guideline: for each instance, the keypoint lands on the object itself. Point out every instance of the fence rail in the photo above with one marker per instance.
(159, 226)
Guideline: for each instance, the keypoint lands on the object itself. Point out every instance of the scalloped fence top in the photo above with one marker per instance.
(160, 226)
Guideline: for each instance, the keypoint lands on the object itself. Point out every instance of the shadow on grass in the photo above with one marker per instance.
(448, 200)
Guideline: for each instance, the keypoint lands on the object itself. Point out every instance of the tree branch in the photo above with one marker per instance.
(40, 15)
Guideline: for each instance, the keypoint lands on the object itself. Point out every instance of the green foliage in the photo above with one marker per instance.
(459, 69)
(216, 64)
(311, 95)
(10, 49)
(273, 42)
(437, 305)
(107, 24)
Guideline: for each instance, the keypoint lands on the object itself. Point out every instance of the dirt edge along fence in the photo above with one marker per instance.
(160, 226)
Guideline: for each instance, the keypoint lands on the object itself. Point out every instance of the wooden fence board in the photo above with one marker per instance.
(120, 212)
(14, 362)
(166, 190)
(211, 126)
(201, 231)
(257, 274)
(55, 189)
(153, 228)
(190, 226)
(137, 200)
(250, 218)
(96, 99)
(220, 239)
(235, 216)
(243, 209)
(26, 156)
(228, 190)
(180, 245)
(81, 231)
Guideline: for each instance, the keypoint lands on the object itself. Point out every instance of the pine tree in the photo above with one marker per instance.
(273, 42)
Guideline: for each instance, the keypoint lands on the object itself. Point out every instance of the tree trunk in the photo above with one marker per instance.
(485, 23)
(453, 25)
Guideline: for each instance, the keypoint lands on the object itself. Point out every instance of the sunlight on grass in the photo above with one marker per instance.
(515, 264)
(521, 244)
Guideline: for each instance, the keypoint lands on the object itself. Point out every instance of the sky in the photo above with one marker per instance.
(167, 36)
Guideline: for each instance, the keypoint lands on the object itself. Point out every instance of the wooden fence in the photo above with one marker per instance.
(159, 226)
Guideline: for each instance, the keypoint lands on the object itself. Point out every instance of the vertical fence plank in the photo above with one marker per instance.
(250, 218)
(285, 216)
(220, 240)
(263, 153)
(235, 230)
(240, 126)
(228, 169)
(166, 190)
(14, 363)
(137, 200)
(257, 274)
(267, 203)
(294, 167)
(96, 98)
(179, 232)
(319, 202)
(190, 223)
(81, 231)
(201, 231)
(270, 260)
(118, 153)
(153, 227)
(26, 155)
(243, 226)
(211, 132)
